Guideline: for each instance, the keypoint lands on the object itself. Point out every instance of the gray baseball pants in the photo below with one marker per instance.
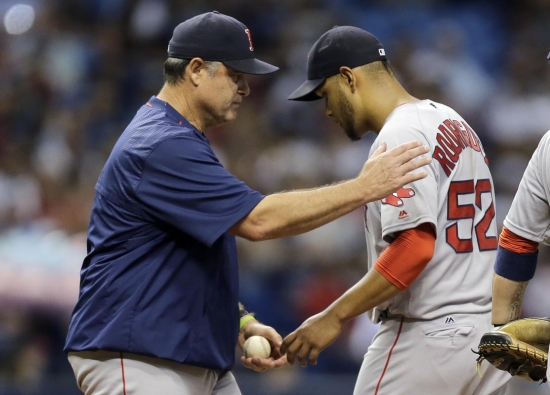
(412, 357)
(116, 373)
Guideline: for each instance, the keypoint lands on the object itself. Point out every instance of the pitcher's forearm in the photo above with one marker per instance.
(372, 290)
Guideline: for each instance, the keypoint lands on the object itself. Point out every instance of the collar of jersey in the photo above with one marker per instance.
(171, 111)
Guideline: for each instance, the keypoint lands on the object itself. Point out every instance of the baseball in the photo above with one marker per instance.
(256, 346)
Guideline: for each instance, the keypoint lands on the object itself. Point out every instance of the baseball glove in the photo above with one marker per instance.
(519, 347)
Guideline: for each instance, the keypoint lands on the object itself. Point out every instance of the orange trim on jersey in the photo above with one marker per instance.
(148, 104)
(404, 259)
(123, 378)
(389, 357)
(515, 243)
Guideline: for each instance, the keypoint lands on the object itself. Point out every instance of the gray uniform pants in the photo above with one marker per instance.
(115, 373)
(410, 357)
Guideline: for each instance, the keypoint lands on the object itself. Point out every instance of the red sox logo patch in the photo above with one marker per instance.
(395, 198)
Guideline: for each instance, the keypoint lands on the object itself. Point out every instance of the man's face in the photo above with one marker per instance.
(338, 107)
(222, 94)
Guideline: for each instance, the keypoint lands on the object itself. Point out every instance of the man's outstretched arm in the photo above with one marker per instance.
(292, 213)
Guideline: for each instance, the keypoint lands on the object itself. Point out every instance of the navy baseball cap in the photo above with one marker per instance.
(217, 37)
(340, 46)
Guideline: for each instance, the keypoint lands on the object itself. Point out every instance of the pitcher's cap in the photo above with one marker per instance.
(217, 37)
(340, 46)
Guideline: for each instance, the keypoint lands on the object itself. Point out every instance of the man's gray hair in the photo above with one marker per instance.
(174, 69)
(211, 67)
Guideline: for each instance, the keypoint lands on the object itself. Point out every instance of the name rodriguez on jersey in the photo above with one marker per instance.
(452, 138)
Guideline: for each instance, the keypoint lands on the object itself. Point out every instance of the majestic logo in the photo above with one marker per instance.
(249, 39)
(449, 319)
(395, 198)
(403, 214)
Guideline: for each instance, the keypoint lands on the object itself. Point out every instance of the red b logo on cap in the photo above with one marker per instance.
(249, 39)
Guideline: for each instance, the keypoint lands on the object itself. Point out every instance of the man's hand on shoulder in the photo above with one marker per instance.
(387, 171)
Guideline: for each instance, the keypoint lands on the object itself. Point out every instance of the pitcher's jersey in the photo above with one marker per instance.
(456, 198)
(529, 215)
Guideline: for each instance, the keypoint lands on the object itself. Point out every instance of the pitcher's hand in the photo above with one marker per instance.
(313, 336)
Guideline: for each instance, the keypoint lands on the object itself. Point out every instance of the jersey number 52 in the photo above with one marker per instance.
(459, 212)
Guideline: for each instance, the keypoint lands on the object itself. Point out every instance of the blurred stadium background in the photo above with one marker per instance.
(73, 73)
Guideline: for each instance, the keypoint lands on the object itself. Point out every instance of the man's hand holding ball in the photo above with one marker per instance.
(260, 345)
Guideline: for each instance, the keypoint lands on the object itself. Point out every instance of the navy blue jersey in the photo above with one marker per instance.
(161, 274)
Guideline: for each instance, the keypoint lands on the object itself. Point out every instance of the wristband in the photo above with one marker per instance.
(245, 319)
(514, 266)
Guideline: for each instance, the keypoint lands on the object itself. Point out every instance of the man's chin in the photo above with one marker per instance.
(231, 116)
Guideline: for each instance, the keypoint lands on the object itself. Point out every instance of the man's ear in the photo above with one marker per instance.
(195, 70)
(348, 77)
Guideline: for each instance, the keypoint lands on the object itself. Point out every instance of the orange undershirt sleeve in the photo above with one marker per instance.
(404, 259)
(515, 243)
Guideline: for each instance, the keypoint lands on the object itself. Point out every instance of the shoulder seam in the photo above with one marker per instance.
(177, 136)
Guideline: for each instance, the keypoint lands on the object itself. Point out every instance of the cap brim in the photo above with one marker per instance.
(306, 91)
(250, 66)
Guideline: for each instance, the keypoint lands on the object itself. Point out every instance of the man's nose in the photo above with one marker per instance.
(243, 89)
